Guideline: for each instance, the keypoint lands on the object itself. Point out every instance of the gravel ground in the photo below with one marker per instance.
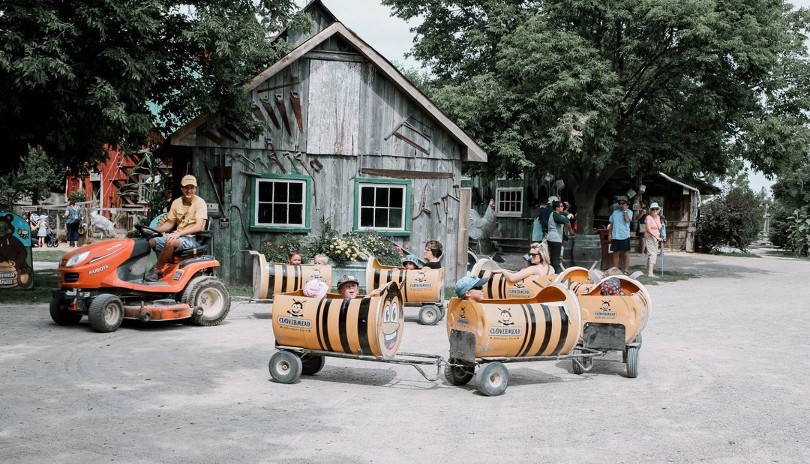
(723, 379)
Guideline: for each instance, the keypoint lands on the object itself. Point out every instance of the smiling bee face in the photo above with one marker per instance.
(506, 317)
(296, 310)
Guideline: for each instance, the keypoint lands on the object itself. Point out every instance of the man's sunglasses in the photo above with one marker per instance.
(478, 288)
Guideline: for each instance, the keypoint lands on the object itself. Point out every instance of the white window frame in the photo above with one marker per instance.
(304, 204)
(388, 184)
(519, 202)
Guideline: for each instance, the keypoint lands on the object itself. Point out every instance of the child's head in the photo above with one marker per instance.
(295, 258)
(348, 286)
(316, 288)
(321, 259)
(410, 262)
(470, 287)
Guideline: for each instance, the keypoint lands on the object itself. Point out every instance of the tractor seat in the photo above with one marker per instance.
(203, 244)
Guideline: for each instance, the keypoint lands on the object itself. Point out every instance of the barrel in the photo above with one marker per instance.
(547, 325)
(271, 279)
(424, 285)
(631, 310)
(367, 325)
(586, 250)
(499, 288)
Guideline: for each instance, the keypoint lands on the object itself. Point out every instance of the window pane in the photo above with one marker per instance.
(265, 191)
(265, 212)
(280, 213)
(366, 217)
(381, 217)
(397, 193)
(280, 191)
(395, 221)
(367, 196)
(381, 196)
(297, 193)
(296, 214)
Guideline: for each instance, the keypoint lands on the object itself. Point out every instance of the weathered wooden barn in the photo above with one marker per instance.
(349, 141)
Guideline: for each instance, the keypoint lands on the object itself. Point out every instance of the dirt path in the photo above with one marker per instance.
(723, 378)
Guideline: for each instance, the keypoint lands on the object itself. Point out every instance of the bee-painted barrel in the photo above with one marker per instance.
(630, 308)
(499, 288)
(424, 285)
(547, 324)
(577, 278)
(270, 279)
(367, 325)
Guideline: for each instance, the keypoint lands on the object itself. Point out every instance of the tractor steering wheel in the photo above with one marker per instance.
(147, 232)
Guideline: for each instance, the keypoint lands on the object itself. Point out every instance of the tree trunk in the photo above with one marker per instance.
(585, 185)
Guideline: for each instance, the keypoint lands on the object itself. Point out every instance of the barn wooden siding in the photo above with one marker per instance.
(357, 124)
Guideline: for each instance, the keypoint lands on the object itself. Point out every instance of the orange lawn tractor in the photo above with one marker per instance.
(105, 281)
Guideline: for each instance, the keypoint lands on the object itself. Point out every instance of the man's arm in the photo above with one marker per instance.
(166, 226)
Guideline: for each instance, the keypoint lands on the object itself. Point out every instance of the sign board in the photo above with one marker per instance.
(16, 261)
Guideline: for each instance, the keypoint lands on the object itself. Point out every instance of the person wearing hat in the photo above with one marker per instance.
(348, 286)
(619, 228)
(652, 236)
(410, 262)
(186, 217)
(470, 288)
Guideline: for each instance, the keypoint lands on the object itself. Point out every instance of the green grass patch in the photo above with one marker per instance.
(45, 282)
(786, 254)
(48, 256)
(669, 276)
(240, 290)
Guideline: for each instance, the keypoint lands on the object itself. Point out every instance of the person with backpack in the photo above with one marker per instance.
(73, 216)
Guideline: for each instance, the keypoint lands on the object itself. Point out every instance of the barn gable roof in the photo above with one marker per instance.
(473, 151)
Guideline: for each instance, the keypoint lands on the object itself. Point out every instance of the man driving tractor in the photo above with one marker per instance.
(189, 213)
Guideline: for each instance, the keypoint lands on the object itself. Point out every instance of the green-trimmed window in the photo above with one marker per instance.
(281, 203)
(383, 205)
(509, 201)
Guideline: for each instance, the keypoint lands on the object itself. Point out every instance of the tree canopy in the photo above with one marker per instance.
(587, 89)
(79, 75)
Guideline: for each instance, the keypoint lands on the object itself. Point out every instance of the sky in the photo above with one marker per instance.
(391, 36)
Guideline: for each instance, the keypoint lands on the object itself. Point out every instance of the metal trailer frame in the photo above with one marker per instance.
(492, 376)
(288, 363)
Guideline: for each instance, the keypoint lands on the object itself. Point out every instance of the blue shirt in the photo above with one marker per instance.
(620, 229)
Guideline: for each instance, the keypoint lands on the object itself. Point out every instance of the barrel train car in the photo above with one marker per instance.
(270, 279)
(572, 318)
(422, 288)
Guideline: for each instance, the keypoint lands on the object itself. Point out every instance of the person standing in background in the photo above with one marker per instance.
(653, 237)
(619, 228)
(642, 227)
(556, 225)
(73, 217)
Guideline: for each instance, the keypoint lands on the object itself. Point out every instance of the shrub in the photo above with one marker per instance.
(799, 233)
(733, 219)
(278, 251)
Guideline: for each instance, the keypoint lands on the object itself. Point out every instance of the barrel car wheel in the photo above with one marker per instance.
(430, 315)
(632, 362)
(492, 379)
(458, 374)
(62, 316)
(285, 367)
(106, 313)
(581, 365)
(311, 364)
